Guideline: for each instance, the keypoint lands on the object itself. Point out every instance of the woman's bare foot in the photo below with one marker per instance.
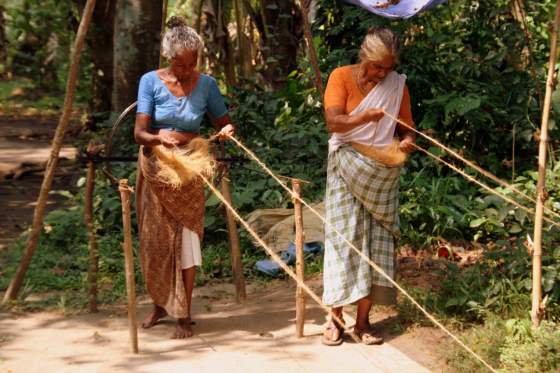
(367, 336)
(157, 314)
(332, 335)
(183, 329)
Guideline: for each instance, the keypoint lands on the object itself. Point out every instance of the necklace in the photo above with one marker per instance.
(356, 75)
(169, 77)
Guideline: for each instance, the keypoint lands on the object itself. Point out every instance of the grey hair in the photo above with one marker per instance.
(378, 43)
(179, 36)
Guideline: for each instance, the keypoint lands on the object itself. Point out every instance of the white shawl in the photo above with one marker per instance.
(386, 95)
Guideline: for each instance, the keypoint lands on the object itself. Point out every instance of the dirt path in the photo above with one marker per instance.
(257, 336)
(24, 150)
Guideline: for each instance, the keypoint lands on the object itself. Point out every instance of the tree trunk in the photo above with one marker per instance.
(278, 23)
(3, 44)
(136, 44)
(282, 20)
(101, 43)
(244, 60)
(217, 42)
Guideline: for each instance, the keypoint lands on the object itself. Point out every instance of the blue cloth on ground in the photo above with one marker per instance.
(403, 9)
(179, 113)
(271, 268)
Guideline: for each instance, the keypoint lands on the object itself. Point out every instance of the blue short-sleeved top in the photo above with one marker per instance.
(179, 113)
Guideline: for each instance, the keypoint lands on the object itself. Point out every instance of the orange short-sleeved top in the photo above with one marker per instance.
(342, 91)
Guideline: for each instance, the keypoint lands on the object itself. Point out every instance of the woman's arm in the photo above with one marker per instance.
(142, 134)
(338, 121)
(336, 95)
(224, 126)
(406, 134)
(146, 104)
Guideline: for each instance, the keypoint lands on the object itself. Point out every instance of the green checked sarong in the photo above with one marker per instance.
(361, 202)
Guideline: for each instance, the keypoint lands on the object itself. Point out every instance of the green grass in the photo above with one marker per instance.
(30, 101)
(57, 276)
(509, 346)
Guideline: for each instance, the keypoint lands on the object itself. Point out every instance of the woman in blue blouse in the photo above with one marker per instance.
(171, 105)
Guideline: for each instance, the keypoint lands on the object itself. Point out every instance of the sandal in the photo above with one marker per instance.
(367, 337)
(336, 331)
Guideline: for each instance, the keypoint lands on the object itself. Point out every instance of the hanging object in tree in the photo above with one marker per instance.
(396, 8)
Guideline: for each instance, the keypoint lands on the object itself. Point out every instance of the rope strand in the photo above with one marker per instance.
(473, 165)
(363, 256)
(277, 258)
(472, 179)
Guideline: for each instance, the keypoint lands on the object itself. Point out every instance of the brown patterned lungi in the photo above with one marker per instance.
(162, 213)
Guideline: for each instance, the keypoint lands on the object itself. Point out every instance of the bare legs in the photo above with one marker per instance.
(333, 331)
(183, 329)
(154, 316)
(332, 336)
(362, 317)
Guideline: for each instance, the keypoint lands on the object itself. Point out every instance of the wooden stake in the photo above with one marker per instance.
(536, 310)
(88, 217)
(125, 191)
(300, 265)
(38, 215)
(236, 264)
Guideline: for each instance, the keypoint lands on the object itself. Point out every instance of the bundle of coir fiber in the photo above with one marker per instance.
(178, 166)
(391, 155)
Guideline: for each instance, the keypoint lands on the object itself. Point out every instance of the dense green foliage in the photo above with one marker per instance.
(470, 80)
(466, 68)
(39, 36)
(512, 345)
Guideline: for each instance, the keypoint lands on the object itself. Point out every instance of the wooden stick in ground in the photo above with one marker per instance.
(536, 309)
(92, 244)
(125, 192)
(38, 215)
(236, 264)
(300, 266)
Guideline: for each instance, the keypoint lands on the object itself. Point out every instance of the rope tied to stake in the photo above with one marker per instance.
(362, 255)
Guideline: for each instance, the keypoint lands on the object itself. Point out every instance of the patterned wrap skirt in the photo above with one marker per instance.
(162, 213)
(361, 203)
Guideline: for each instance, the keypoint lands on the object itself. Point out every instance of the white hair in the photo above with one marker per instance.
(179, 36)
(378, 43)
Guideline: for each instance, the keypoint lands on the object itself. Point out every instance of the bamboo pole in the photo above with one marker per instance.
(92, 244)
(38, 215)
(300, 269)
(536, 309)
(125, 192)
(236, 264)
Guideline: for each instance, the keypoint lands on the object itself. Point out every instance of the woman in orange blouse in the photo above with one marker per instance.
(361, 199)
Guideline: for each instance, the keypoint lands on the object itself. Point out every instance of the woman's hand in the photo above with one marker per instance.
(372, 115)
(338, 121)
(167, 140)
(226, 132)
(407, 144)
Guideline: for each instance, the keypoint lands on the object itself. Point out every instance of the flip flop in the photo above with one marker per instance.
(332, 342)
(367, 337)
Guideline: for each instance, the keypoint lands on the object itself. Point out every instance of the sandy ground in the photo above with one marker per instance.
(26, 141)
(257, 336)
(24, 150)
